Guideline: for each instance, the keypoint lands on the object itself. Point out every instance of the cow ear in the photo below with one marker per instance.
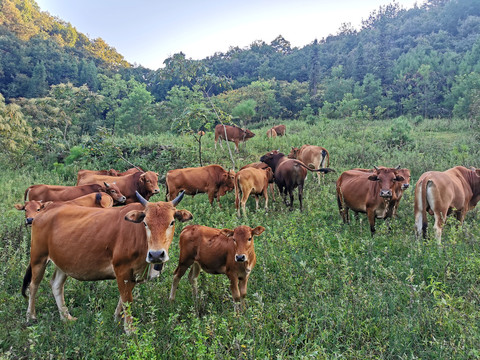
(46, 204)
(399, 178)
(183, 215)
(135, 216)
(373, 178)
(19, 206)
(258, 230)
(227, 232)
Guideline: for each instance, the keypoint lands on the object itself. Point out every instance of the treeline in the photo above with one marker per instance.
(62, 87)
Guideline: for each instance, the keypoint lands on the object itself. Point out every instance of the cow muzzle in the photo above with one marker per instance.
(386, 193)
(29, 221)
(157, 256)
(122, 199)
(240, 257)
(405, 186)
(156, 191)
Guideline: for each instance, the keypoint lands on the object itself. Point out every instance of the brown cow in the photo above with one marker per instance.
(454, 191)
(271, 133)
(65, 193)
(368, 193)
(233, 133)
(251, 181)
(288, 174)
(32, 207)
(229, 252)
(111, 172)
(280, 129)
(315, 157)
(91, 244)
(145, 183)
(262, 165)
(212, 179)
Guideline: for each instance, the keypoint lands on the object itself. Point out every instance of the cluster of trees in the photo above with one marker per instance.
(61, 85)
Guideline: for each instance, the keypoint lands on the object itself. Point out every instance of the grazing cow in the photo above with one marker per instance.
(262, 165)
(112, 172)
(454, 191)
(145, 183)
(251, 181)
(32, 207)
(280, 129)
(91, 244)
(212, 179)
(65, 193)
(369, 193)
(271, 133)
(288, 174)
(315, 157)
(229, 252)
(233, 133)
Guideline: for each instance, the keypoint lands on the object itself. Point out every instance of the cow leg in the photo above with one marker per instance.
(265, 195)
(371, 220)
(193, 276)
(38, 270)
(242, 283)
(290, 193)
(256, 201)
(300, 196)
(179, 272)
(125, 287)
(440, 217)
(272, 190)
(57, 283)
(211, 197)
(234, 289)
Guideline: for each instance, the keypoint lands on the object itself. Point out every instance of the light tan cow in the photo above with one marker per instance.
(315, 157)
(251, 181)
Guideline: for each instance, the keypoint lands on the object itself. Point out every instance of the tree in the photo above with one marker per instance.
(38, 85)
(245, 110)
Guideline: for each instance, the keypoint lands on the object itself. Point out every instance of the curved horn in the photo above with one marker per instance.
(178, 198)
(398, 167)
(376, 168)
(140, 198)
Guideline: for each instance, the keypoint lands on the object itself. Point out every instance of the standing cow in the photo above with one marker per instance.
(251, 181)
(369, 193)
(289, 174)
(91, 244)
(315, 157)
(454, 191)
(225, 251)
(212, 179)
(232, 133)
(280, 129)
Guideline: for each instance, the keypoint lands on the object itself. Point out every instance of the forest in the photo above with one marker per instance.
(403, 90)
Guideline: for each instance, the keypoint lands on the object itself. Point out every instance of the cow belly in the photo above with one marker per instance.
(213, 270)
(86, 272)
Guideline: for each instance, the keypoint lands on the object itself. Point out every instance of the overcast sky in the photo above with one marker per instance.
(148, 32)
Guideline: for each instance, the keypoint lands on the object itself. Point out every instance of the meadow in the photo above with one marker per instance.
(320, 289)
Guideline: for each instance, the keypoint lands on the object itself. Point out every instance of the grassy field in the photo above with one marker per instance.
(320, 289)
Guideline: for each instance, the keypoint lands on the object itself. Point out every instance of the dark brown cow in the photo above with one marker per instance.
(454, 191)
(251, 181)
(111, 172)
(365, 192)
(233, 133)
(315, 157)
(212, 179)
(229, 252)
(145, 183)
(91, 244)
(32, 207)
(288, 174)
(280, 129)
(262, 165)
(65, 193)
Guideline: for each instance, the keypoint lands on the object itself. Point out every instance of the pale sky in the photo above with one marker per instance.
(148, 32)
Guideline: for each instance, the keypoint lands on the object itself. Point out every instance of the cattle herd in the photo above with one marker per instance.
(105, 227)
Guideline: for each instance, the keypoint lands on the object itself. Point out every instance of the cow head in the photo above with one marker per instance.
(293, 153)
(386, 177)
(148, 183)
(271, 158)
(406, 175)
(243, 239)
(114, 191)
(269, 173)
(159, 221)
(31, 209)
(247, 134)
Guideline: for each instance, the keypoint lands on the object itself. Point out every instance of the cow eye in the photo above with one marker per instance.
(38, 209)
(250, 239)
(113, 191)
(172, 223)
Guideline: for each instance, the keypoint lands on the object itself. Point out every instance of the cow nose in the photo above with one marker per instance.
(405, 186)
(157, 256)
(240, 258)
(122, 199)
(156, 191)
(29, 221)
(386, 193)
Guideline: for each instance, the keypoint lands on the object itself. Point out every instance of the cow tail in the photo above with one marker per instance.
(327, 155)
(421, 207)
(237, 192)
(26, 280)
(166, 187)
(25, 197)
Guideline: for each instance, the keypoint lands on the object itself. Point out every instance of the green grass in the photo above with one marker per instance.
(320, 289)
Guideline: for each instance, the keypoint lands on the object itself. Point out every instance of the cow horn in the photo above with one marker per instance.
(178, 198)
(398, 167)
(376, 168)
(140, 198)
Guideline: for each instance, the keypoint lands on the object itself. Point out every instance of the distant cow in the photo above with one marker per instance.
(251, 181)
(32, 207)
(315, 157)
(91, 244)
(369, 193)
(271, 133)
(146, 183)
(289, 174)
(229, 252)
(454, 191)
(280, 129)
(65, 193)
(262, 165)
(233, 133)
(213, 180)
(111, 172)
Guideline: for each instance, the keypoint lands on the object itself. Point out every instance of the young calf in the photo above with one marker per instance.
(225, 251)
(251, 181)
